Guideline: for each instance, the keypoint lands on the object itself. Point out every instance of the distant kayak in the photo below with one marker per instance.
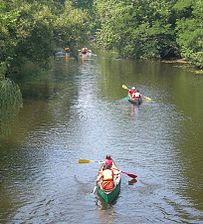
(61, 54)
(88, 54)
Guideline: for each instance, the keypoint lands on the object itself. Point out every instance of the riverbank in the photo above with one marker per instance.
(182, 63)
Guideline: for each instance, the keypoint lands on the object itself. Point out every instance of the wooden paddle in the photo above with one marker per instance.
(82, 161)
(146, 97)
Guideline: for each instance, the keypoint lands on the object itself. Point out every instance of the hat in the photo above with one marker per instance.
(133, 87)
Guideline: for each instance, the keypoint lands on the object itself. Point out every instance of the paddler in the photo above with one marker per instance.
(107, 178)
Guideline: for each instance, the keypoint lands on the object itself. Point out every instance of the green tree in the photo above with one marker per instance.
(8, 42)
(190, 30)
(137, 28)
(72, 27)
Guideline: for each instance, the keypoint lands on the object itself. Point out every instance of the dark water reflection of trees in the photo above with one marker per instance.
(10, 104)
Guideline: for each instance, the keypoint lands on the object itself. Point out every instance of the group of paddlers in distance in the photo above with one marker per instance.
(107, 174)
(134, 94)
(83, 51)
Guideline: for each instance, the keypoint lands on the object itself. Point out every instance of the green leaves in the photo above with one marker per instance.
(136, 29)
(189, 30)
(10, 104)
(72, 26)
(158, 29)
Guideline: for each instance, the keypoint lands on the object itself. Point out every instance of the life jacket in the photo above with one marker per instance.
(107, 175)
(137, 95)
(107, 180)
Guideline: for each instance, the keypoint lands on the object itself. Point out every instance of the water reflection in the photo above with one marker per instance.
(132, 181)
(10, 104)
(75, 111)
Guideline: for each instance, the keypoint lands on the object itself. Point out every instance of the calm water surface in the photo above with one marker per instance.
(78, 110)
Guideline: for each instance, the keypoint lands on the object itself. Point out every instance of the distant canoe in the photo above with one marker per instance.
(61, 54)
(88, 54)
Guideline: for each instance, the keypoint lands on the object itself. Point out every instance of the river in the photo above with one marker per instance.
(78, 110)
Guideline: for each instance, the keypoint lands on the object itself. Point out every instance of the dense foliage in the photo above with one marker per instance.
(31, 29)
(152, 28)
(189, 29)
(10, 104)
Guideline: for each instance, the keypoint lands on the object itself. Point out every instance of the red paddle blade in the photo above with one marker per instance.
(130, 174)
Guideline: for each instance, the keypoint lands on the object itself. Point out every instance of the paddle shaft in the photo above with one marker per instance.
(83, 161)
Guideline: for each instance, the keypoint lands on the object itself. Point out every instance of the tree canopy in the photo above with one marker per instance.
(137, 29)
(152, 28)
(32, 29)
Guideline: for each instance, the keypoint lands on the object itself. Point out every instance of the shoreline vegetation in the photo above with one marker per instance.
(182, 63)
(159, 29)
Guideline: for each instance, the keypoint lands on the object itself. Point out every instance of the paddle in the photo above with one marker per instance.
(125, 87)
(129, 174)
(94, 190)
(97, 161)
(88, 161)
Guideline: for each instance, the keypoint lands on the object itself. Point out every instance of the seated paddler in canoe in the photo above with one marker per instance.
(134, 96)
(108, 175)
(86, 52)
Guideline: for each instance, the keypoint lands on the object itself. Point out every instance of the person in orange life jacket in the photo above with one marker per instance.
(107, 178)
(131, 92)
(137, 95)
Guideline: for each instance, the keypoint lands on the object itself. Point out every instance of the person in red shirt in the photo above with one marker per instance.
(131, 92)
(109, 161)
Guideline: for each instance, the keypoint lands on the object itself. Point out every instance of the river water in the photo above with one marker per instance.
(78, 110)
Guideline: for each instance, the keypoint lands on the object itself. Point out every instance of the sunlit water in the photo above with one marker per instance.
(78, 110)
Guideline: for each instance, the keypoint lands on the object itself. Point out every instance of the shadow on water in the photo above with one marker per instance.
(132, 181)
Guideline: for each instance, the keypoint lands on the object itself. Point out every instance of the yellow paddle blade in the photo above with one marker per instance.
(124, 87)
(147, 98)
(84, 161)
